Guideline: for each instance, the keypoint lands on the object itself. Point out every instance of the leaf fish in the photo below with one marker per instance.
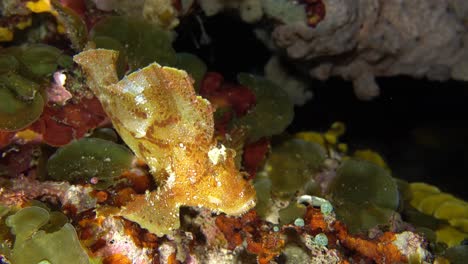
(158, 115)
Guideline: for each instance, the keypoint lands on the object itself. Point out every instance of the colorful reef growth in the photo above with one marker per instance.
(159, 116)
(120, 146)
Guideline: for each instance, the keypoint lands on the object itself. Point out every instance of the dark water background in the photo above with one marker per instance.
(420, 127)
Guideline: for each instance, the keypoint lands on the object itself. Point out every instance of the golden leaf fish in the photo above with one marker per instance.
(157, 113)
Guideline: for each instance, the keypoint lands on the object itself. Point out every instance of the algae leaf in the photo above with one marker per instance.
(144, 43)
(365, 194)
(33, 245)
(86, 158)
(273, 112)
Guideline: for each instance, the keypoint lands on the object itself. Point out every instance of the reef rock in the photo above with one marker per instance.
(361, 39)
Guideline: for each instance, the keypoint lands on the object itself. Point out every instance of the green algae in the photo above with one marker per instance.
(144, 43)
(289, 166)
(23, 88)
(16, 114)
(273, 111)
(193, 66)
(365, 195)
(33, 244)
(363, 182)
(293, 163)
(8, 63)
(291, 213)
(362, 217)
(105, 133)
(84, 159)
(40, 60)
(321, 240)
(262, 187)
(23, 73)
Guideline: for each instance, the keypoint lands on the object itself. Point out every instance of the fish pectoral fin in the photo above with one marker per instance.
(154, 211)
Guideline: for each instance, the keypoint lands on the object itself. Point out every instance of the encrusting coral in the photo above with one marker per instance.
(158, 115)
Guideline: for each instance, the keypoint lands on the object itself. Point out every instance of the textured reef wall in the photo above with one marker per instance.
(359, 40)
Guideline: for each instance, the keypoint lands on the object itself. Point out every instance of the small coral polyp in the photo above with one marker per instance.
(157, 113)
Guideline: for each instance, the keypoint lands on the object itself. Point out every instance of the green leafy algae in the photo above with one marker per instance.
(293, 163)
(105, 133)
(292, 212)
(23, 88)
(40, 60)
(8, 63)
(364, 194)
(86, 158)
(362, 217)
(144, 43)
(22, 72)
(16, 114)
(26, 222)
(193, 66)
(273, 112)
(33, 244)
(363, 182)
(262, 187)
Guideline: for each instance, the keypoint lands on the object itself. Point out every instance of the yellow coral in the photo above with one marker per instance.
(419, 191)
(44, 6)
(460, 223)
(24, 24)
(5, 34)
(311, 136)
(430, 200)
(372, 156)
(336, 130)
(40, 6)
(329, 139)
(27, 135)
(451, 209)
(159, 116)
(450, 236)
(423, 187)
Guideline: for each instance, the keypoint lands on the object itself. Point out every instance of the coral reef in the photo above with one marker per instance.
(122, 147)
